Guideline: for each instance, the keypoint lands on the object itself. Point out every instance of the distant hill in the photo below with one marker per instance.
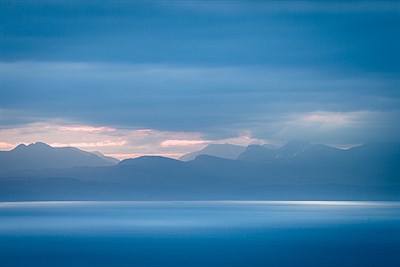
(106, 158)
(293, 151)
(227, 151)
(40, 156)
(296, 171)
(258, 153)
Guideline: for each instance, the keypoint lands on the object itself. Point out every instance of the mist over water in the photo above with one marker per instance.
(200, 233)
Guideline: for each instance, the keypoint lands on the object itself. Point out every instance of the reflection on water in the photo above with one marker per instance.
(200, 233)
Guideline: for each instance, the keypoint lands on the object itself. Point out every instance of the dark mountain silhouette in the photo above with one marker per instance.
(227, 151)
(301, 172)
(40, 156)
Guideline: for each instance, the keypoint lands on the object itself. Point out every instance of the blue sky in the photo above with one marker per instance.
(192, 73)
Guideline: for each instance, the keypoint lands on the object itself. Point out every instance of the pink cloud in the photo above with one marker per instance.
(88, 145)
(168, 143)
(85, 128)
(148, 131)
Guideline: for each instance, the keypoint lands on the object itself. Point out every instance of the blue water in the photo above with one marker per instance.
(230, 233)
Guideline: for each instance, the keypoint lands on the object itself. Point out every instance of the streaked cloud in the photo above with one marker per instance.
(271, 7)
(92, 74)
(339, 128)
(97, 145)
(213, 100)
(332, 119)
(168, 143)
(78, 128)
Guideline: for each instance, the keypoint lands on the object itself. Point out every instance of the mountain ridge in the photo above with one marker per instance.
(40, 155)
(367, 172)
(228, 151)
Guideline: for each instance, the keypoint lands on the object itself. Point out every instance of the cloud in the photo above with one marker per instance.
(342, 128)
(273, 69)
(283, 7)
(168, 143)
(210, 103)
(85, 128)
(101, 144)
(181, 98)
(331, 119)
(302, 34)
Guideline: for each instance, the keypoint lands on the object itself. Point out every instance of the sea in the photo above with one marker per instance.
(200, 233)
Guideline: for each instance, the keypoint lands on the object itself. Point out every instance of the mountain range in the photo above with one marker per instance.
(40, 156)
(227, 151)
(295, 171)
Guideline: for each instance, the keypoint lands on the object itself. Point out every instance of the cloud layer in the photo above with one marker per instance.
(155, 77)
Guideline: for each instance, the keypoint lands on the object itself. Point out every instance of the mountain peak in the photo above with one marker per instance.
(39, 144)
(20, 147)
(42, 156)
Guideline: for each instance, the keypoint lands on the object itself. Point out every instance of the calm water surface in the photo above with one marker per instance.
(207, 233)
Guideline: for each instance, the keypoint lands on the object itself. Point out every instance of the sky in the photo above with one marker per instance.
(131, 78)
